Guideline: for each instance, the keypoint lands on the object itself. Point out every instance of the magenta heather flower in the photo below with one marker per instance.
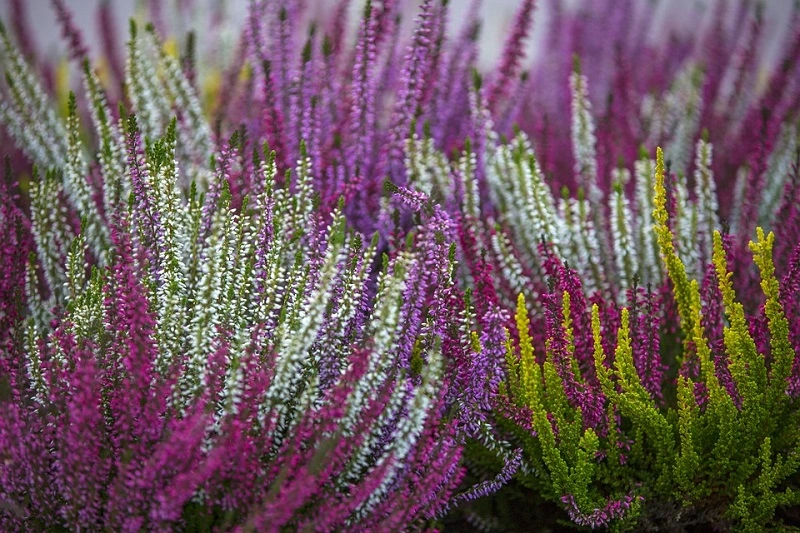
(14, 252)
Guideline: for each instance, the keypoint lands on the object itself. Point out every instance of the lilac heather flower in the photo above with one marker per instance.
(492, 486)
(417, 69)
(513, 54)
(600, 517)
(71, 34)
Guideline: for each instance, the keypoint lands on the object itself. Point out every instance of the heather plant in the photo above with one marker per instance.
(177, 353)
(600, 247)
(621, 446)
(548, 208)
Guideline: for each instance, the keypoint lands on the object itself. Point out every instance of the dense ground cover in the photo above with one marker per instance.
(371, 284)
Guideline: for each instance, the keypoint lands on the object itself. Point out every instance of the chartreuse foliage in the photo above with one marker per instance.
(712, 454)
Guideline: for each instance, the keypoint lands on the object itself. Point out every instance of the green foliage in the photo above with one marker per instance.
(712, 454)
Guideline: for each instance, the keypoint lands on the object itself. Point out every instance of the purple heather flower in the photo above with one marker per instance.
(599, 517)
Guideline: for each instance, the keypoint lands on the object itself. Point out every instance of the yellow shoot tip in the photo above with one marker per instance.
(719, 257)
(762, 244)
(211, 89)
(596, 333)
(171, 48)
(567, 323)
(603, 373)
(63, 87)
(246, 73)
(660, 199)
(476, 342)
(530, 377)
(523, 323)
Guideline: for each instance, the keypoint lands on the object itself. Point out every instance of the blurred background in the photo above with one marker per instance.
(496, 14)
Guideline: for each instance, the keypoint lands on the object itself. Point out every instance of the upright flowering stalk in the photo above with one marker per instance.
(14, 252)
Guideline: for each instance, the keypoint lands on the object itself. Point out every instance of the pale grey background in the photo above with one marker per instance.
(497, 15)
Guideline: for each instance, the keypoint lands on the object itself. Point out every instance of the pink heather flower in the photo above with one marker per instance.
(599, 517)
